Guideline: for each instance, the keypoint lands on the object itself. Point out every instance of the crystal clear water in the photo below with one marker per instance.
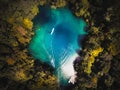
(57, 33)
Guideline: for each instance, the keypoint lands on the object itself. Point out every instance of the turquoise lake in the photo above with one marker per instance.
(56, 40)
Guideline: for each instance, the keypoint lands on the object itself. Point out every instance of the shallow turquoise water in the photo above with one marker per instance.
(57, 33)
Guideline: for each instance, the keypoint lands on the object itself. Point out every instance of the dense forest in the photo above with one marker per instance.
(98, 67)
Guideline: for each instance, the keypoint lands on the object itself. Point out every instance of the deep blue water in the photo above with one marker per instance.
(56, 39)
